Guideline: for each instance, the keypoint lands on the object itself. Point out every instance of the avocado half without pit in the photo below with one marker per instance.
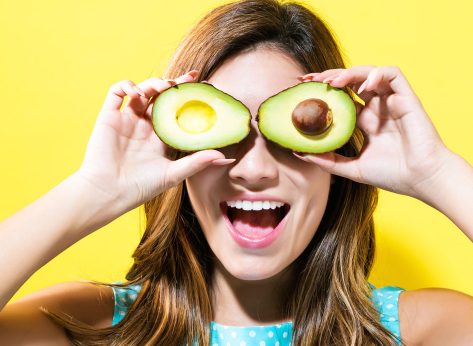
(310, 117)
(197, 116)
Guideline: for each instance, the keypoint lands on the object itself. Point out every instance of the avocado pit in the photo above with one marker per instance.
(312, 116)
(195, 116)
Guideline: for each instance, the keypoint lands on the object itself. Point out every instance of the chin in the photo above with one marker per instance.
(251, 268)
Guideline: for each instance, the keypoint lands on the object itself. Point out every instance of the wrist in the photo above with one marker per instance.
(99, 206)
(450, 191)
(431, 176)
(443, 179)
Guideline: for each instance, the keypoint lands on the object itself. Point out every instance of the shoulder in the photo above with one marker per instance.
(23, 321)
(83, 300)
(436, 316)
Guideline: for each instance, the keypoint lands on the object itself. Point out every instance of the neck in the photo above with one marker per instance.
(238, 302)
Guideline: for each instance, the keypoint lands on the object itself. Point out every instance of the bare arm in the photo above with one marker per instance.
(450, 191)
(436, 316)
(403, 152)
(125, 165)
(36, 234)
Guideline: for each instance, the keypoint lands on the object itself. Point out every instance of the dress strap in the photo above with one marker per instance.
(123, 298)
(386, 301)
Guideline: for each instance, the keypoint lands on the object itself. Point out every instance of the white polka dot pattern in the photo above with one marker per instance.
(270, 335)
(385, 300)
(124, 297)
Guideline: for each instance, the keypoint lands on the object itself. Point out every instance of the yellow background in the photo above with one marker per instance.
(59, 57)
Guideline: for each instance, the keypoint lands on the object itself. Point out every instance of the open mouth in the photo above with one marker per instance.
(256, 216)
(254, 228)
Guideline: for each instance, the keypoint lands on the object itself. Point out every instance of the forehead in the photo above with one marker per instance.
(253, 76)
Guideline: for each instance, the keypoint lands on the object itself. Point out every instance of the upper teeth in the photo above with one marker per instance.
(256, 205)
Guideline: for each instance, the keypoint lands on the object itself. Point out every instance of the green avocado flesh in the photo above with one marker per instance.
(198, 116)
(275, 118)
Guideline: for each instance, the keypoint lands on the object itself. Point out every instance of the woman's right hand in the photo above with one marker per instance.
(125, 159)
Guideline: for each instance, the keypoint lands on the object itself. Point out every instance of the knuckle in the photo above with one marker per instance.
(342, 74)
(119, 85)
(126, 82)
(154, 83)
(154, 80)
(393, 68)
(170, 180)
(371, 67)
(338, 70)
(374, 72)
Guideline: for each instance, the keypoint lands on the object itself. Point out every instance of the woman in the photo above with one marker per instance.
(191, 281)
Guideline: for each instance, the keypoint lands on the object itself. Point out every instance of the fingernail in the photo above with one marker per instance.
(362, 87)
(305, 79)
(171, 81)
(138, 90)
(328, 80)
(304, 158)
(312, 74)
(193, 73)
(222, 161)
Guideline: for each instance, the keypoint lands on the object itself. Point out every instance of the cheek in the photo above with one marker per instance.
(313, 187)
(201, 188)
(200, 183)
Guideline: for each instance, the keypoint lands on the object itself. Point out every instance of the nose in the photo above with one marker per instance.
(255, 167)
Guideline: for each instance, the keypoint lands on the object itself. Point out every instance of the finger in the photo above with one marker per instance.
(374, 82)
(117, 92)
(366, 120)
(153, 87)
(149, 109)
(381, 80)
(321, 76)
(150, 88)
(188, 165)
(334, 163)
(353, 78)
(329, 76)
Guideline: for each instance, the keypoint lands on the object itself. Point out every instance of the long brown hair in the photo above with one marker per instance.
(331, 303)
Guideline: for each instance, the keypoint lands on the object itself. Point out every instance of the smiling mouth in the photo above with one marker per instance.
(255, 228)
(256, 216)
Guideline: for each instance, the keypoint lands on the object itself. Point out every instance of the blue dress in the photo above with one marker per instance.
(385, 300)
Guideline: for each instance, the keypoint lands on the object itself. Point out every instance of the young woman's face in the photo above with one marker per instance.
(263, 171)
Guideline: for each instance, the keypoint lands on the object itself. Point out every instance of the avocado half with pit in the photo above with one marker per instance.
(197, 116)
(310, 117)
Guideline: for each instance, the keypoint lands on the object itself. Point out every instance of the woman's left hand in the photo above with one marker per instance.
(403, 152)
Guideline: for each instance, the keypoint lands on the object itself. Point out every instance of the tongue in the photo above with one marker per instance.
(255, 223)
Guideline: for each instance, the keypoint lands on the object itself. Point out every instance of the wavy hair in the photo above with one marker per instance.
(330, 304)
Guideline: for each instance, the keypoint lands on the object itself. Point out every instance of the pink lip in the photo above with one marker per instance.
(244, 241)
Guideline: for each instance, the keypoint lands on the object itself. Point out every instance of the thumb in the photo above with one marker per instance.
(188, 165)
(334, 163)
